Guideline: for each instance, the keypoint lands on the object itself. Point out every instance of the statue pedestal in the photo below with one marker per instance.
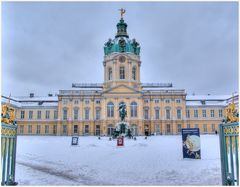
(122, 127)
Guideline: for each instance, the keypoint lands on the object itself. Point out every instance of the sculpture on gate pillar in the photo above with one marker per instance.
(8, 114)
(231, 113)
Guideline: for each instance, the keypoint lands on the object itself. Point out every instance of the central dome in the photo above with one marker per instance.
(121, 43)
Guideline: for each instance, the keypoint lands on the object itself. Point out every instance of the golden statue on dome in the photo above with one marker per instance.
(122, 11)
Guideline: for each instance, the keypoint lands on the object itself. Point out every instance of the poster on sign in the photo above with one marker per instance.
(191, 143)
(74, 140)
(120, 141)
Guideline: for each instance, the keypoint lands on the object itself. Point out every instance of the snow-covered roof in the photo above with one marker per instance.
(36, 98)
(207, 97)
(207, 100)
(36, 101)
(14, 103)
(206, 103)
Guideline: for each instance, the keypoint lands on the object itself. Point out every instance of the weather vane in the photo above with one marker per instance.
(122, 11)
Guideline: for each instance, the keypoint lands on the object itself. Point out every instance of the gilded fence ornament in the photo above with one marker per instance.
(8, 114)
(231, 114)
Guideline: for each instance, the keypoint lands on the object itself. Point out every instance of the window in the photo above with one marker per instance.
(212, 113)
(46, 129)
(65, 101)
(178, 100)
(133, 109)
(97, 113)
(39, 114)
(75, 114)
(21, 129)
(146, 113)
(87, 101)
(156, 100)
(110, 74)
(22, 114)
(157, 113)
(196, 113)
(168, 114)
(179, 114)
(30, 114)
(220, 112)
(110, 109)
(55, 114)
(29, 129)
(204, 127)
(38, 131)
(75, 129)
(213, 127)
(64, 114)
(134, 73)
(196, 125)
(146, 100)
(64, 129)
(179, 128)
(87, 113)
(188, 126)
(204, 113)
(54, 129)
(76, 101)
(122, 73)
(47, 114)
(86, 129)
(188, 114)
(167, 100)
(98, 101)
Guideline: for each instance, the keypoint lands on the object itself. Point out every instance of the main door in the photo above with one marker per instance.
(110, 130)
(97, 133)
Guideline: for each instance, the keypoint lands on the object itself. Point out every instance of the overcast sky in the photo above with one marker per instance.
(48, 46)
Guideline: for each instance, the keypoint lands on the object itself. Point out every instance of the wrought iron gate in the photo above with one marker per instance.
(8, 150)
(229, 146)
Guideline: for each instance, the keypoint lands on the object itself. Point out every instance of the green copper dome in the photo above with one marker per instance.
(121, 43)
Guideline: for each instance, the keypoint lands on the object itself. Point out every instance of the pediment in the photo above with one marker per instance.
(121, 89)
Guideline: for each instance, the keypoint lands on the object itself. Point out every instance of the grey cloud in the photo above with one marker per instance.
(47, 46)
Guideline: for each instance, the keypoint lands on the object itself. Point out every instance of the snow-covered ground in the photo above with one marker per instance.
(49, 160)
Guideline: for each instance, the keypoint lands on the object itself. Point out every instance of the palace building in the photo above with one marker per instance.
(92, 109)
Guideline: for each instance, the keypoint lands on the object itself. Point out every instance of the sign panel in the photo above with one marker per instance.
(74, 140)
(191, 143)
(120, 141)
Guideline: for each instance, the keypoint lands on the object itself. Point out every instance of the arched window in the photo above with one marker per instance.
(110, 109)
(157, 113)
(87, 113)
(168, 113)
(146, 112)
(65, 113)
(110, 74)
(75, 113)
(133, 109)
(122, 73)
(179, 113)
(134, 73)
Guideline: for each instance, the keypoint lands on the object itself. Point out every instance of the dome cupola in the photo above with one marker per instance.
(121, 43)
